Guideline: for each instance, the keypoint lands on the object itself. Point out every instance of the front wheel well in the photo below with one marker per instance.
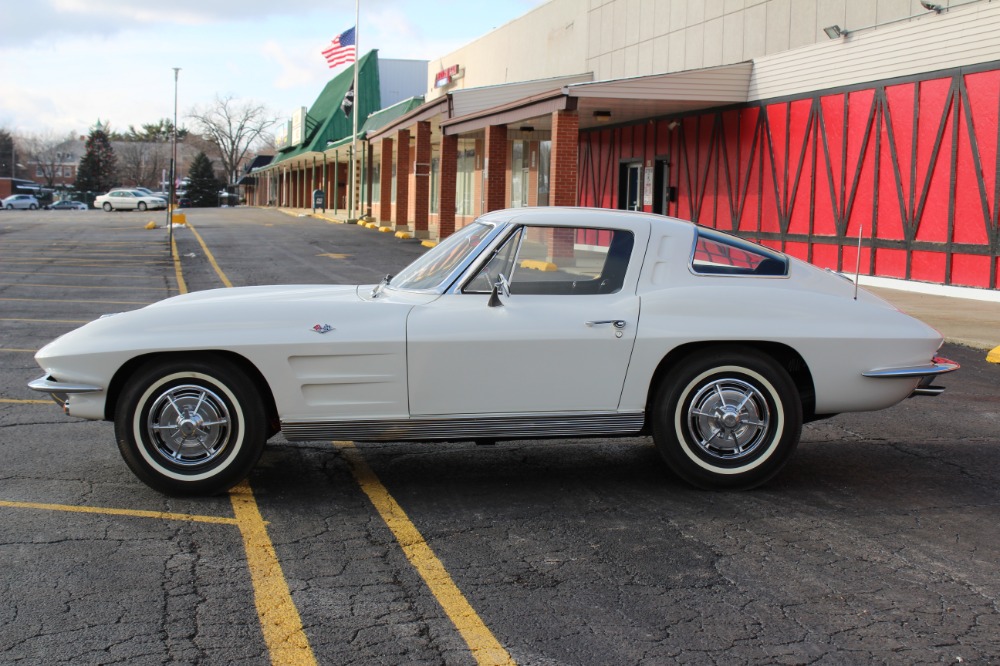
(129, 369)
(787, 357)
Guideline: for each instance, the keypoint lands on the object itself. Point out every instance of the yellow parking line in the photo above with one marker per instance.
(26, 402)
(76, 275)
(134, 513)
(486, 649)
(279, 619)
(47, 321)
(181, 284)
(210, 256)
(76, 286)
(61, 300)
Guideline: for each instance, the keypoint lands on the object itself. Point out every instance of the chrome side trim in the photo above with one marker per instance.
(469, 427)
(937, 366)
(46, 385)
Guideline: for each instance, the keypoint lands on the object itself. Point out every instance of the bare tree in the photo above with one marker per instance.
(46, 152)
(234, 128)
(140, 162)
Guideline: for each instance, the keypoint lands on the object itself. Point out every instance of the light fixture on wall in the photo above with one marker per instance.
(526, 128)
(673, 124)
(931, 7)
(835, 32)
(602, 116)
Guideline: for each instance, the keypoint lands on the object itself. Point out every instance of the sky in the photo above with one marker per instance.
(66, 64)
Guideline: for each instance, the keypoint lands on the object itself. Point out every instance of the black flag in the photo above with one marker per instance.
(348, 102)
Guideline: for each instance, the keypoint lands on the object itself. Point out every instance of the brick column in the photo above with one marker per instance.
(403, 179)
(449, 185)
(385, 183)
(422, 180)
(565, 158)
(496, 167)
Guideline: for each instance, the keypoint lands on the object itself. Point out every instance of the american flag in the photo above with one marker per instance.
(342, 50)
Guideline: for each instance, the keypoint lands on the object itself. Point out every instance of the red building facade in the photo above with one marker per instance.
(912, 166)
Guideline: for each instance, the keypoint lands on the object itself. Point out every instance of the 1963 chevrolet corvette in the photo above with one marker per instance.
(526, 324)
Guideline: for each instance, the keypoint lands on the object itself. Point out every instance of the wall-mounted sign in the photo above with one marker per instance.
(283, 135)
(298, 134)
(446, 76)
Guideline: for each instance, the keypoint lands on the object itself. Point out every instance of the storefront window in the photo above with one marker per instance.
(544, 158)
(376, 180)
(435, 183)
(519, 174)
(465, 186)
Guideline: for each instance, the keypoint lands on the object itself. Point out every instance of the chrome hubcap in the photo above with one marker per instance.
(189, 425)
(728, 419)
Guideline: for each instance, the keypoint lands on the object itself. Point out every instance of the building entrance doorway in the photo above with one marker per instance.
(630, 186)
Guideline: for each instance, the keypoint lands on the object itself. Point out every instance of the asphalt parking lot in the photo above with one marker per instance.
(877, 544)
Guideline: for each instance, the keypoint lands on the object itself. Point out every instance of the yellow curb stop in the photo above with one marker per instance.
(403, 234)
(994, 355)
(539, 265)
(150, 225)
(429, 243)
(385, 230)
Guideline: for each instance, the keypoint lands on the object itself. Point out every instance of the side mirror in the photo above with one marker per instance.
(502, 284)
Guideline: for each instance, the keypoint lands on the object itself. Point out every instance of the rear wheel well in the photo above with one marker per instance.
(787, 357)
(127, 370)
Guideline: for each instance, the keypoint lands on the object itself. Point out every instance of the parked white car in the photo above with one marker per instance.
(126, 199)
(23, 201)
(527, 323)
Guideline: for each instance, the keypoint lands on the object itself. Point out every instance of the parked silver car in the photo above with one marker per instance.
(128, 199)
(24, 201)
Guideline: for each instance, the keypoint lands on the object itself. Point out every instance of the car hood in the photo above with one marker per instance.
(230, 319)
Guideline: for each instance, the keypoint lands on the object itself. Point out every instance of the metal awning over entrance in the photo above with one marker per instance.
(619, 101)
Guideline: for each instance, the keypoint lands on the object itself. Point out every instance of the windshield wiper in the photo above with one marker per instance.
(381, 285)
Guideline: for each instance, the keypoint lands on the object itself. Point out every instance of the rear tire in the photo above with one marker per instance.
(142, 206)
(190, 426)
(727, 418)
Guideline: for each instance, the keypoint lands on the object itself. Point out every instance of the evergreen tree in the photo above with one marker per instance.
(203, 187)
(98, 167)
(7, 154)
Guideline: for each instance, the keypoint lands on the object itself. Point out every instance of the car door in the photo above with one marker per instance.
(560, 341)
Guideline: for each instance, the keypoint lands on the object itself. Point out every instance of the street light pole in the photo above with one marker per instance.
(173, 168)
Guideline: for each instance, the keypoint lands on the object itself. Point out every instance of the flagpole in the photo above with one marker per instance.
(357, 97)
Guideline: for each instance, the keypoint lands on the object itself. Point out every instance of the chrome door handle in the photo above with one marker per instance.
(617, 323)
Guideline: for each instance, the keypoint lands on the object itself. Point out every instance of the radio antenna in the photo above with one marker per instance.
(857, 270)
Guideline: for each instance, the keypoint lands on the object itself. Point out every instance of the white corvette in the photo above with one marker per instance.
(528, 323)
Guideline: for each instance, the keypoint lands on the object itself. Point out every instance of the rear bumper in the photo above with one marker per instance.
(926, 373)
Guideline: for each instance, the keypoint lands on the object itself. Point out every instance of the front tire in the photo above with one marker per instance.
(727, 418)
(142, 206)
(107, 207)
(190, 427)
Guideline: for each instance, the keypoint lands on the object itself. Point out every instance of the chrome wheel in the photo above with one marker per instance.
(189, 425)
(728, 419)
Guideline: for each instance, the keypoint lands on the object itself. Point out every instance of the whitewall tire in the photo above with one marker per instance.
(190, 427)
(727, 417)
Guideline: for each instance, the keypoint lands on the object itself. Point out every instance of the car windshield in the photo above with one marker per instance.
(433, 269)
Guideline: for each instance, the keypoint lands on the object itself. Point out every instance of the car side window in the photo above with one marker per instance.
(560, 261)
(717, 253)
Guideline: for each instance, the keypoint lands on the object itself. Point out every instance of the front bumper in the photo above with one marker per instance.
(60, 391)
